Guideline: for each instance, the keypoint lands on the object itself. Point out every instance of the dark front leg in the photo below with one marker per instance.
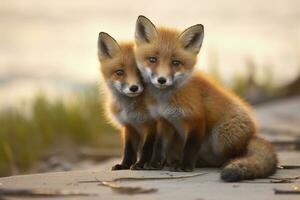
(147, 147)
(158, 157)
(131, 139)
(190, 151)
(192, 145)
(165, 133)
(174, 153)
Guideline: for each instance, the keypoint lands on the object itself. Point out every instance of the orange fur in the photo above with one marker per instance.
(216, 124)
(126, 112)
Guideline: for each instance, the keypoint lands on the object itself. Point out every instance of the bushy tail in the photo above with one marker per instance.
(259, 162)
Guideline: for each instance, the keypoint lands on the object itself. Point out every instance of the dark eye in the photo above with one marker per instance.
(119, 72)
(152, 59)
(176, 63)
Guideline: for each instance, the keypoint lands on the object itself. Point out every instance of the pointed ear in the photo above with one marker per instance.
(192, 37)
(145, 30)
(107, 46)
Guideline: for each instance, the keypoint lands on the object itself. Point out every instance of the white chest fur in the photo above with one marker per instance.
(174, 114)
(133, 117)
(168, 111)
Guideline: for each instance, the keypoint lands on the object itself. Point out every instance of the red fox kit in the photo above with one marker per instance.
(216, 127)
(125, 101)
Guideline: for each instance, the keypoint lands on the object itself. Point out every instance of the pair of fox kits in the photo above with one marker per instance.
(171, 115)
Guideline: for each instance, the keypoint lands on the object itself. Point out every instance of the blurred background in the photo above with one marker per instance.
(50, 113)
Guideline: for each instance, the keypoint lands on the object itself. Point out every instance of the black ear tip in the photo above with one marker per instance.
(105, 36)
(101, 34)
(102, 38)
(141, 17)
(199, 26)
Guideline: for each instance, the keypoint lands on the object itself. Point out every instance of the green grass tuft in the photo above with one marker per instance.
(24, 138)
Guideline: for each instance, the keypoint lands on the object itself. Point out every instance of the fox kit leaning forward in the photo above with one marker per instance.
(216, 127)
(125, 104)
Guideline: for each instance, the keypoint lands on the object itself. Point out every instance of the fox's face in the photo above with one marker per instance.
(166, 57)
(118, 66)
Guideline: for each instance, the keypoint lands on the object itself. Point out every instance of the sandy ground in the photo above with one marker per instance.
(171, 185)
(206, 184)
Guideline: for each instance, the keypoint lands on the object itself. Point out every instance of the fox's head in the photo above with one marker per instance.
(118, 66)
(166, 57)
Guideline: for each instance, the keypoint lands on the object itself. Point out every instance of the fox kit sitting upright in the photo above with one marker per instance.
(216, 127)
(125, 104)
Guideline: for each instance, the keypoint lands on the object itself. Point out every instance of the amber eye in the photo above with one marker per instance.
(152, 59)
(119, 72)
(176, 63)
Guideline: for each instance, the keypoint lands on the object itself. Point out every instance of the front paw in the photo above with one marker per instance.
(137, 166)
(120, 167)
(154, 166)
(181, 168)
(175, 168)
(187, 168)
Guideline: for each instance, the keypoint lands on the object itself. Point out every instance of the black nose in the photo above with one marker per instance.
(162, 80)
(134, 88)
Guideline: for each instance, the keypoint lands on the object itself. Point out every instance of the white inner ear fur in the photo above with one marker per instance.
(145, 30)
(192, 37)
